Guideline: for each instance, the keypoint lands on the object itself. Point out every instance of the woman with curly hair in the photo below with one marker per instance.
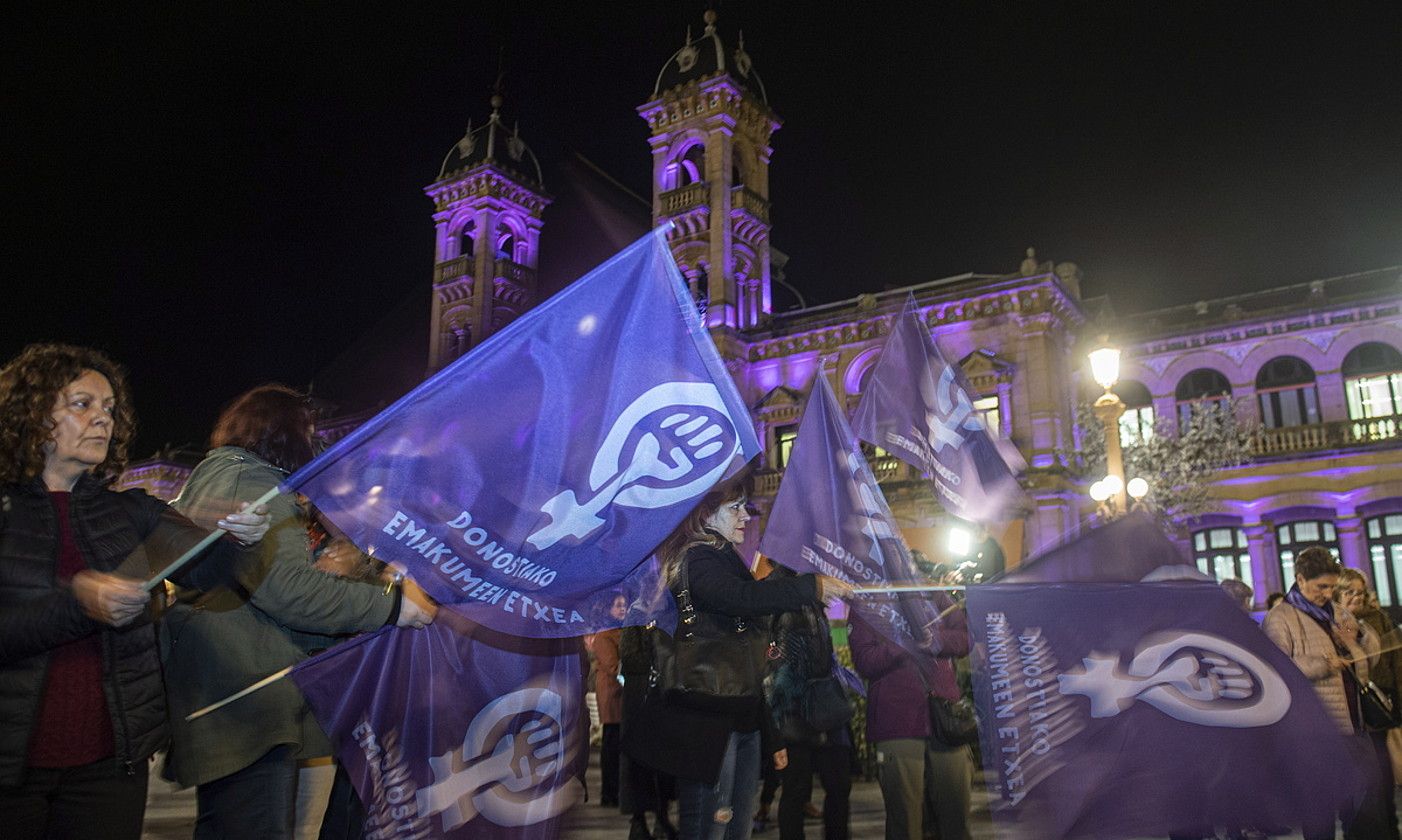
(243, 757)
(82, 706)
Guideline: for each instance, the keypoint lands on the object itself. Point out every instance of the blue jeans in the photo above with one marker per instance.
(258, 801)
(722, 811)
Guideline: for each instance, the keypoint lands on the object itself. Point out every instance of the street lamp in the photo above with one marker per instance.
(1105, 369)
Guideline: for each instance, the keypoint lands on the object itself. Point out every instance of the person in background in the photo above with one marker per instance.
(82, 706)
(1240, 591)
(608, 694)
(243, 757)
(1335, 652)
(1353, 595)
(803, 644)
(641, 789)
(1273, 599)
(911, 767)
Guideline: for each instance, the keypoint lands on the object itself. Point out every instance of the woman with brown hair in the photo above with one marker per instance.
(714, 747)
(1353, 595)
(243, 757)
(82, 707)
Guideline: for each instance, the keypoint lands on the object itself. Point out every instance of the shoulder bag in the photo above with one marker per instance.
(711, 659)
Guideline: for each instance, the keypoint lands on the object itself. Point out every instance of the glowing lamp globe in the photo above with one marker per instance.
(961, 541)
(1113, 484)
(1137, 488)
(1099, 492)
(1105, 366)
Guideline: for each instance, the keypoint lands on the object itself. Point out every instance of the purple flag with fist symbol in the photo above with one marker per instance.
(918, 406)
(454, 730)
(831, 518)
(1135, 710)
(529, 481)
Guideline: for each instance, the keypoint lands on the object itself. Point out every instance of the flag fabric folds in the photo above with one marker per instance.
(532, 478)
(830, 518)
(1130, 549)
(455, 730)
(919, 407)
(1126, 710)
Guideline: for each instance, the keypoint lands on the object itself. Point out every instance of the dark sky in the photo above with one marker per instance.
(229, 194)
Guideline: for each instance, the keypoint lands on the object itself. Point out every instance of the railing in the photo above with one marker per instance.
(743, 198)
(684, 198)
(521, 275)
(452, 269)
(1332, 435)
(885, 468)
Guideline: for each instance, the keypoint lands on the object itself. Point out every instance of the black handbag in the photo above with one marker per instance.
(712, 659)
(1379, 712)
(952, 722)
(825, 705)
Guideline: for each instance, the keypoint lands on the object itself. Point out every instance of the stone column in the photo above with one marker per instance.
(1353, 545)
(1265, 572)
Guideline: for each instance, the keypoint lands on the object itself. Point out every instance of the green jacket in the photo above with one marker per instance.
(280, 611)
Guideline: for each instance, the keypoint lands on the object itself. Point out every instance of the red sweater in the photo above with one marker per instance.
(73, 726)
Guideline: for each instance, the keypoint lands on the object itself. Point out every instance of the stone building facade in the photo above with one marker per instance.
(1317, 364)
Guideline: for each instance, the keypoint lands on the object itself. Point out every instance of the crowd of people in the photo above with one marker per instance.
(99, 669)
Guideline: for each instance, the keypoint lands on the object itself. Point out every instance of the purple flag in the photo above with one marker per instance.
(454, 730)
(831, 518)
(919, 407)
(530, 478)
(1126, 710)
(1129, 549)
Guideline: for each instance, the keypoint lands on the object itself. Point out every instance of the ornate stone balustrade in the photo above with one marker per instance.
(743, 198)
(684, 198)
(885, 468)
(452, 269)
(521, 275)
(1332, 435)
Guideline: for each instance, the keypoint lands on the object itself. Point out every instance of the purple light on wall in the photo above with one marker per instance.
(799, 372)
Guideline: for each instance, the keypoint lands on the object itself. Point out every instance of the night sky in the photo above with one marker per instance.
(229, 194)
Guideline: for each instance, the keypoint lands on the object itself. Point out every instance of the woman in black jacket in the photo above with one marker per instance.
(715, 750)
(82, 706)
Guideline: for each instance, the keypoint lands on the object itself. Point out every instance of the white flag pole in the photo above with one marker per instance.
(200, 546)
(263, 683)
(904, 587)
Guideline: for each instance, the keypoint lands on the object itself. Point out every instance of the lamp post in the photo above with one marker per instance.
(1105, 369)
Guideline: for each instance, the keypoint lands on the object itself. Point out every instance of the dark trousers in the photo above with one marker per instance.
(258, 801)
(834, 768)
(89, 802)
(1387, 785)
(345, 816)
(608, 764)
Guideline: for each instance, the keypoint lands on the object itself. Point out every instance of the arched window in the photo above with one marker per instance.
(737, 174)
(784, 439)
(1137, 423)
(1202, 388)
(1221, 553)
(687, 167)
(1295, 537)
(467, 240)
(1385, 551)
(1373, 381)
(1286, 393)
(506, 241)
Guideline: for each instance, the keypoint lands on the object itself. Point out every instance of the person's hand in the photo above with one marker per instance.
(830, 587)
(417, 609)
(1335, 663)
(781, 759)
(340, 558)
(109, 598)
(247, 526)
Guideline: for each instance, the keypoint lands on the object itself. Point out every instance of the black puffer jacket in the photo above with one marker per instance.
(131, 533)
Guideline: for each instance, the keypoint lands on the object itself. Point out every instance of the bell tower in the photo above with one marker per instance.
(711, 124)
(487, 203)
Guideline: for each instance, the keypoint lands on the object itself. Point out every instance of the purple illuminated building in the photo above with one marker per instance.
(1317, 364)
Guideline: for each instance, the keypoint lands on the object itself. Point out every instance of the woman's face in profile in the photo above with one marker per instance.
(620, 608)
(729, 520)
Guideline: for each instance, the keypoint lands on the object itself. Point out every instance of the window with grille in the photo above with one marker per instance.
(1385, 555)
(1221, 553)
(1295, 537)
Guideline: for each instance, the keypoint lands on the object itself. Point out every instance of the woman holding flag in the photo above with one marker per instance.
(82, 708)
(243, 756)
(723, 742)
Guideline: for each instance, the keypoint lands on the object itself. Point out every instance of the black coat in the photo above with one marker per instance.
(131, 533)
(690, 743)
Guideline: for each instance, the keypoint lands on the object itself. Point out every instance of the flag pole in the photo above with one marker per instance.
(263, 683)
(200, 546)
(904, 587)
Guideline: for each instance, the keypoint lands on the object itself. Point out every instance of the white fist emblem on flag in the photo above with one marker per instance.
(1192, 677)
(669, 445)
